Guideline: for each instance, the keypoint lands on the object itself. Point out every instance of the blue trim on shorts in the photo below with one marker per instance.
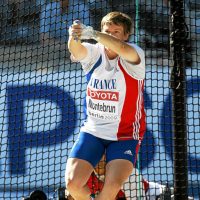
(90, 148)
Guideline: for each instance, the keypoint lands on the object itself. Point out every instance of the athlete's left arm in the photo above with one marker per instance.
(120, 47)
(135, 70)
(123, 49)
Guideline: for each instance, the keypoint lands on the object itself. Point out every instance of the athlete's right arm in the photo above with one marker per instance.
(75, 47)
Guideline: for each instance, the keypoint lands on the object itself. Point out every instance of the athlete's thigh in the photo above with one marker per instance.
(120, 158)
(78, 171)
(85, 154)
(88, 148)
(117, 171)
(125, 150)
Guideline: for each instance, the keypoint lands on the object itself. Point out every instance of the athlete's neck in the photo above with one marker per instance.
(111, 54)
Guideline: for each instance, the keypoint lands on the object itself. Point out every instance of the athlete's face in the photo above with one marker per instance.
(115, 30)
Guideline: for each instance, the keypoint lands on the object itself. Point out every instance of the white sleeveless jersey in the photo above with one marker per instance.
(114, 96)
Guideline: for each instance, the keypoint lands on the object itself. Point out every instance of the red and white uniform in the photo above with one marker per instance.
(114, 100)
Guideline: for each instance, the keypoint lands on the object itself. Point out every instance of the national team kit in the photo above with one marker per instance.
(114, 107)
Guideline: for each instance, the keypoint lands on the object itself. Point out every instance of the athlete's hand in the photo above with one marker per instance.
(88, 33)
(75, 30)
(81, 31)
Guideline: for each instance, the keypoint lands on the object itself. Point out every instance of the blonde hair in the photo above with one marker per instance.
(118, 18)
